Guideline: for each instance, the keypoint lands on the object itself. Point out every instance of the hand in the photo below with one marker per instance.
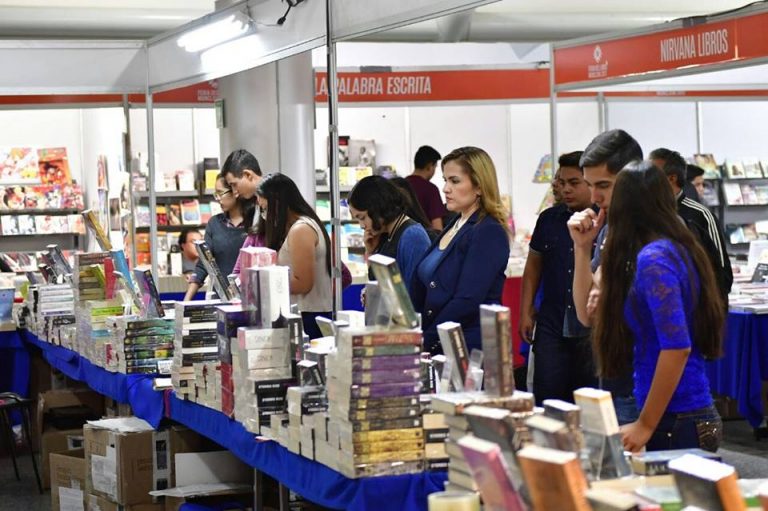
(525, 329)
(634, 436)
(371, 242)
(584, 226)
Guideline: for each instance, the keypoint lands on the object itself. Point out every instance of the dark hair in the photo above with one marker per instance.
(643, 209)
(185, 233)
(283, 197)
(424, 156)
(238, 161)
(570, 160)
(693, 171)
(412, 207)
(614, 148)
(674, 164)
(379, 198)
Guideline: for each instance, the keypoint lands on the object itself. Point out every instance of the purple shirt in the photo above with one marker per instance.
(428, 196)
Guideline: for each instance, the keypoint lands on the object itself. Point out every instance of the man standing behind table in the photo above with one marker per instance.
(603, 159)
(424, 164)
(561, 344)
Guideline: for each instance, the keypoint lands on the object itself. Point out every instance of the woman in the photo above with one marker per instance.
(224, 234)
(658, 310)
(380, 208)
(292, 228)
(464, 267)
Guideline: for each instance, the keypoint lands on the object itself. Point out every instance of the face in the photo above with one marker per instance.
(366, 223)
(460, 194)
(246, 185)
(575, 191)
(557, 186)
(224, 195)
(188, 248)
(698, 183)
(600, 181)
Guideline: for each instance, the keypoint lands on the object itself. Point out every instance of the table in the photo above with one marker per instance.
(740, 373)
(306, 477)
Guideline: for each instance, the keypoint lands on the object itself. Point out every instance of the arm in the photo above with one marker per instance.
(531, 279)
(192, 290)
(413, 244)
(583, 227)
(302, 239)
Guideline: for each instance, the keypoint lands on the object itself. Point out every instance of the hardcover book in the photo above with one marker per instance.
(554, 479)
(394, 291)
(455, 348)
(490, 472)
(497, 349)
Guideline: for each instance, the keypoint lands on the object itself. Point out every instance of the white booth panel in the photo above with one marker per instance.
(385, 125)
(206, 134)
(735, 129)
(174, 146)
(654, 124)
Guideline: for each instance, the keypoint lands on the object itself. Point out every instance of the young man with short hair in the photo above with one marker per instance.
(562, 359)
(242, 172)
(603, 159)
(424, 164)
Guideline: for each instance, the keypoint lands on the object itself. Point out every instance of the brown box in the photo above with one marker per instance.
(67, 474)
(61, 398)
(97, 503)
(54, 441)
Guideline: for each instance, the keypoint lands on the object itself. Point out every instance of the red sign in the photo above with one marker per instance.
(449, 85)
(708, 43)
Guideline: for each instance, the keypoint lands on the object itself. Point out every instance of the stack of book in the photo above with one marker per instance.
(94, 340)
(195, 340)
(228, 319)
(53, 307)
(304, 406)
(93, 276)
(435, 434)
(141, 346)
(374, 380)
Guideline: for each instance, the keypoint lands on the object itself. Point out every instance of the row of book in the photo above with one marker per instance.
(744, 233)
(14, 225)
(34, 165)
(745, 194)
(187, 212)
(61, 196)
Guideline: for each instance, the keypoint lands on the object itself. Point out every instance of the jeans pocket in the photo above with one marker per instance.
(710, 433)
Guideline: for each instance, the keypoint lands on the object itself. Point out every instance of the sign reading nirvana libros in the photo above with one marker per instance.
(716, 42)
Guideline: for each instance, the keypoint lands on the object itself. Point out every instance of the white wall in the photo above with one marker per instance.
(654, 124)
(735, 129)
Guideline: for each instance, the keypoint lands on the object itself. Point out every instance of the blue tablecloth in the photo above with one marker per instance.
(308, 478)
(740, 373)
(14, 363)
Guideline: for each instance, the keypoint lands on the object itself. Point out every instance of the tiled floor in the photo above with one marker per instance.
(740, 449)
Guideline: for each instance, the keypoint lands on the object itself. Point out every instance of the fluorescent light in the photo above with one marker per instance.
(232, 54)
(214, 33)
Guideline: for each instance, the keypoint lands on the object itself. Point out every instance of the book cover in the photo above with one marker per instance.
(161, 213)
(554, 479)
(394, 291)
(26, 224)
(190, 212)
(60, 262)
(732, 192)
(211, 175)
(496, 333)
(543, 173)
(185, 180)
(44, 224)
(220, 283)
(53, 165)
(707, 484)
(735, 169)
(76, 224)
(91, 219)
(205, 212)
(597, 412)
(455, 348)
(748, 195)
(709, 196)
(708, 163)
(490, 472)
(174, 214)
(653, 463)
(752, 168)
(19, 165)
(149, 295)
(10, 225)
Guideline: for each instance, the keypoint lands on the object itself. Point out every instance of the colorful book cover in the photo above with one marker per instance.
(491, 474)
(205, 212)
(752, 168)
(211, 175)
(708, 163)
(161, 213)
(220, 282)
(12, 197)
(149, 295)
(44, 224)
(174, 214)
(19, 165)
(748, 195)
(76, 224)
(732, 193)
(543, 172)
(71, 196)
(710, 196)
(190, 212)
(54, 165)
(142, 215)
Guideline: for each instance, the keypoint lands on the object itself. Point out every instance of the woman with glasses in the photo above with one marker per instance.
(224, 234)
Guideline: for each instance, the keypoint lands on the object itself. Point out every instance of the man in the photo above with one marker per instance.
(561, 346)
(695, 176)
(557, 187)
(189, 256)
(425, 162)
(602, 160)
(242, 171)
(698, 218)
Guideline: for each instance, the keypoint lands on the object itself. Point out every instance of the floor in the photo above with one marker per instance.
(740, 449)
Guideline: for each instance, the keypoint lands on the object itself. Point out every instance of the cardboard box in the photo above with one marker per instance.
(62, 398)
(55, 441)
(67, 480)
(97, 503)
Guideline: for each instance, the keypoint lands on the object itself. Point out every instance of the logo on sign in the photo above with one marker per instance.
(599, 69)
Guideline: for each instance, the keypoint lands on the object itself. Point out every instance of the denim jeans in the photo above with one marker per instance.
(626, 409)
(701, 428)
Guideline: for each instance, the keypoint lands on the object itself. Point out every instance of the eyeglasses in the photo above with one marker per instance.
(219, 195)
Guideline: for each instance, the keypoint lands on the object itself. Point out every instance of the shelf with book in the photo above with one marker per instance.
(70, 211)
(181, 194)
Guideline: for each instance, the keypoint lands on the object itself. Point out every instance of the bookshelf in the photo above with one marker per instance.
(740, 205)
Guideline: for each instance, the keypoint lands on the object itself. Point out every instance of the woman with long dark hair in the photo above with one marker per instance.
(292, 228)
(660, 311)
(380, 208)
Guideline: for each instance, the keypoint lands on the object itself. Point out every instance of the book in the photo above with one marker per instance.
(10, 225)
(205, 212)
(653, 463)
(53, 165)
(26, 224)
(455, 348)
(708, 163)
(748, 195)
(161, 213)
(552, 433)
(59, 260)
(496, 333)
(190, 212)
(220, 282)
(211, 175)
(554, 479)
(752, 168)
(490, 472)
(735, 169)
(497, 425)
(709, 196)
(706, 483)
(19, 165)
(605, 499)
(44, 224)
(76, 224)
(91, 219)
(185, 180)
(174, 214)
(543, 173)
(394, 291)
(597, 412)
(149, 294)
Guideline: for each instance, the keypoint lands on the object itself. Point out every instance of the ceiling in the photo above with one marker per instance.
(506, 20)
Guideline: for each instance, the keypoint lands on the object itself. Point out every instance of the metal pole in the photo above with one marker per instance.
(127, 152)
(552, 108)
(699, 129)
(151, 182)
(602, 118)
(333, 156)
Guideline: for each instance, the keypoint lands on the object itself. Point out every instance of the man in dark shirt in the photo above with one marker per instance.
(424, 164)
(561, 345)
(697, 217)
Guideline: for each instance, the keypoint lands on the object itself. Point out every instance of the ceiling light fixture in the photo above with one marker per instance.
(215, 33)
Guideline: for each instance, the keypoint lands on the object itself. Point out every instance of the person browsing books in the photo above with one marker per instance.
(465, 266)
(189, 257)
(224, 234)
(657, 315)
(242, 173)
(292, 228)
(380, 209)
